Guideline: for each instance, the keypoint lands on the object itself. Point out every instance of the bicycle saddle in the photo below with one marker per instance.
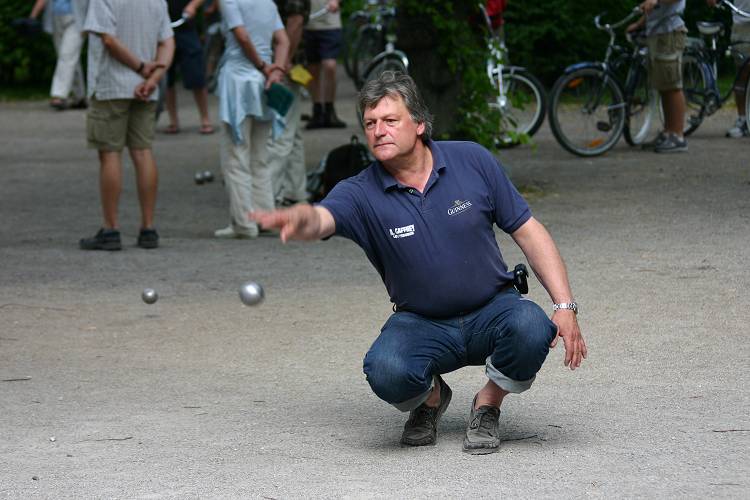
(710, 28)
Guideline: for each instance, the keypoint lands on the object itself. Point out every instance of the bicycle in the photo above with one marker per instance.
(375, 47)
(603, 107)
(351, 33)
(518, 96)
(700, 71)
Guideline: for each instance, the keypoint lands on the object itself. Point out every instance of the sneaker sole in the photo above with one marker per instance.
(667, 151)
(108, 247)
(481, 451)
(149, 245)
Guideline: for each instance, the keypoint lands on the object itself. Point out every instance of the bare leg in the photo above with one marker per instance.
(110, 186)
(673, 104)
(201, 100)
(490, 395)
(329, 81)
(171, 102)
(147, 179)
(315, 88)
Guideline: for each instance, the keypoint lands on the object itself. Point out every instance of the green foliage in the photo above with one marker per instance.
(464, 50)
(23, 59)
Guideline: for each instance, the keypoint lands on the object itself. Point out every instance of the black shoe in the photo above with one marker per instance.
(79, 104)
(421, 428)
(330, 120)
(105, 239)
(316, 120)
(148, 238)
(483, 432)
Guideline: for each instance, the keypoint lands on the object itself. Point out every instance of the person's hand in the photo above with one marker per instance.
(148, 68)
(274, 74)
(332, 5)
(568, 330)
(144, 89)
(633, 27)
(649, 5)
(300, 222)
(189, 11)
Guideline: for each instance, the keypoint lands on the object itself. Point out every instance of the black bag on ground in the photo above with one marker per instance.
(338, 164)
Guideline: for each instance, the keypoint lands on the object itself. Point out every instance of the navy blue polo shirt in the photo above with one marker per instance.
(435, 251)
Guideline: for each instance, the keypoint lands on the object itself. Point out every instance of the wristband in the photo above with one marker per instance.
(140, 68)
(262, 66)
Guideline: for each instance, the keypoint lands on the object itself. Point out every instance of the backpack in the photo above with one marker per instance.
(338, 164)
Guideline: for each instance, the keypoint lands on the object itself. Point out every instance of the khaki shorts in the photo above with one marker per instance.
(665, 59)
(115, 123)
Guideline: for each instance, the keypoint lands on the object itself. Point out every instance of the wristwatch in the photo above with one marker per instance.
(566, 305)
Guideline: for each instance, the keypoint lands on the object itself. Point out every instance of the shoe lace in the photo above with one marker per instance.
(485, 418)
(422, 414)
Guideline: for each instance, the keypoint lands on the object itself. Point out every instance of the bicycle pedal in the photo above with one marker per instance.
(603, 126)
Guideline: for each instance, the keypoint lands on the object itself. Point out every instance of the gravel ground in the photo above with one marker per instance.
(198, 396)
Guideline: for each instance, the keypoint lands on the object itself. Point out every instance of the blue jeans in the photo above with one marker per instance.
(510, 335)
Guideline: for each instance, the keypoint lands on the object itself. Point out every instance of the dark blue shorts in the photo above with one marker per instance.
(188, 58)
(322, 44)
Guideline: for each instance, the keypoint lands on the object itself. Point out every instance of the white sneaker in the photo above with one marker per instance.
(739, 129)
(230, 232)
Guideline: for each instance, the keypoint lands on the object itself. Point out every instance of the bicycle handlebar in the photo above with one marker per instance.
(732, 7)
(608, 27)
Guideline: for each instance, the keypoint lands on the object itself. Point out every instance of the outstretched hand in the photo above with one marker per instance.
(568, 330)
(300, 222)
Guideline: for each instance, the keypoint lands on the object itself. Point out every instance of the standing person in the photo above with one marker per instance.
(63, 19)
(286, 153)
(254, 33)
(740, 37)
(130, 47)
(189, 56)
(665, 36)
(424, 214)
(323, 38)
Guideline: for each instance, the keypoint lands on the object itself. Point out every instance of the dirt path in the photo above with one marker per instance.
(199, 396)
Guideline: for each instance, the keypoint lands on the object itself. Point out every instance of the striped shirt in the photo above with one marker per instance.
(139, 25)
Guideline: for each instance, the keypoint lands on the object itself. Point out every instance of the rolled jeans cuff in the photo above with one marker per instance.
(412, 403)
(506, 383)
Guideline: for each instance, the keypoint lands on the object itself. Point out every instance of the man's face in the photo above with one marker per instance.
(391, 132)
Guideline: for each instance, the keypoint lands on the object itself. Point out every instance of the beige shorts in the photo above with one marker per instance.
(115, 123)
(665, 59)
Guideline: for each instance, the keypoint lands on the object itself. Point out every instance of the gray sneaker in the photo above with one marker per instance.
(654, 142)
(672, 144)
(421, 428)
(483, 432)
(739, 129)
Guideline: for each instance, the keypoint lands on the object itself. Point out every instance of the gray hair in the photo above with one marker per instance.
(391, 84)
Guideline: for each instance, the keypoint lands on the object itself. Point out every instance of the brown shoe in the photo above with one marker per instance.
(421, 428)
(483, 432)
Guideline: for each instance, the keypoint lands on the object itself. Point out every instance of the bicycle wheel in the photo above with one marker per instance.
(351, 32)
(587, 111)
(522, 106)
(369, 45)
(696, 89)
(747, 104)
(641, 106)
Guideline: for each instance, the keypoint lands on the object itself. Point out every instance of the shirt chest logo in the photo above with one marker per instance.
(402, 232)
(459, 207)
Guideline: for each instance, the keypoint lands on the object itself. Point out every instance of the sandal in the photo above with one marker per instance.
(172, 129)
(207, 129)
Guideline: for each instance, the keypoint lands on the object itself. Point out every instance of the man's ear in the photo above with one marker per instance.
(420, 129)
